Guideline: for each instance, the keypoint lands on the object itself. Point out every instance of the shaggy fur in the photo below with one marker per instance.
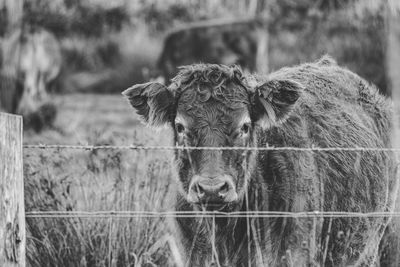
(316, 104)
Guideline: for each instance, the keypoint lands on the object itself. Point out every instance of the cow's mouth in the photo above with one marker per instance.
(214, 206)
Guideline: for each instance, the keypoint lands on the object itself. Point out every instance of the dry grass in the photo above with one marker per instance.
(97, 181)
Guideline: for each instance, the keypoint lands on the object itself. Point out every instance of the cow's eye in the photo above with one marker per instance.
(245, 128)
(179, 128)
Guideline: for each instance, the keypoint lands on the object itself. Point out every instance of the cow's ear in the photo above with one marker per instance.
(273, 101)
(153, 102)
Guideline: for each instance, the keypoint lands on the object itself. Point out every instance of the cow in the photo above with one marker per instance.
(239, 41)
(318, 104)
(31, 59)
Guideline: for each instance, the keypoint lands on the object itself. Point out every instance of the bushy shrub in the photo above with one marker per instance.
(74, 18)
(303, 33)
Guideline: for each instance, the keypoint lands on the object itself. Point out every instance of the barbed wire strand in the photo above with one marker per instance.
(206, 214)
(267, 148)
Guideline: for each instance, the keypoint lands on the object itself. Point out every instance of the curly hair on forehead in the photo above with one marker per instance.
(210, 80)
(214, 75)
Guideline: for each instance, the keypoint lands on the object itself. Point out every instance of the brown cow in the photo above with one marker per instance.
(242, 42)
(317, 104)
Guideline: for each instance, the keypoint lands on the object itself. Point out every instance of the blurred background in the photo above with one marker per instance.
(103, 47)
(106, 46)
(64, 63)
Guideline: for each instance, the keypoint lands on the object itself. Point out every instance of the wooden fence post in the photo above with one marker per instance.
(12, 209)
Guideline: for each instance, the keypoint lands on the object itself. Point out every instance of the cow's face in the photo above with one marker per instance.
(214, 106)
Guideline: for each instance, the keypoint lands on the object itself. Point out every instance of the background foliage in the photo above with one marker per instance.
(109, 45)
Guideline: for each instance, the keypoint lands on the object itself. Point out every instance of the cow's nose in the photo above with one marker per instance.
(212, 190)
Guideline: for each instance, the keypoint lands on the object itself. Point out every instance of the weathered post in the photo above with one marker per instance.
(12, 209)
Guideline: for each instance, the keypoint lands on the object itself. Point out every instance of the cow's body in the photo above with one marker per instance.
(241, 42)
(318, 104)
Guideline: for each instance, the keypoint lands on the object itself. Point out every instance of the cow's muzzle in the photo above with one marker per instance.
(216, 191)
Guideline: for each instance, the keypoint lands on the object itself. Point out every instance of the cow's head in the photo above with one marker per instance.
(214, 106)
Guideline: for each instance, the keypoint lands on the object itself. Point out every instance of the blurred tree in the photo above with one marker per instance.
(10, 15)
(74, 17)
(162, 18)
(299, 30)
(348, 30)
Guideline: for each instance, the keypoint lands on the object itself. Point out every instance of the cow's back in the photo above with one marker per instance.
(337, 108)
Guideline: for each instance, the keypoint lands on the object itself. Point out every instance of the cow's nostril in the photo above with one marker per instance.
(223, 190)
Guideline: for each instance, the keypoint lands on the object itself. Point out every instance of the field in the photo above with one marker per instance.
(99, 180)
(103, 180)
